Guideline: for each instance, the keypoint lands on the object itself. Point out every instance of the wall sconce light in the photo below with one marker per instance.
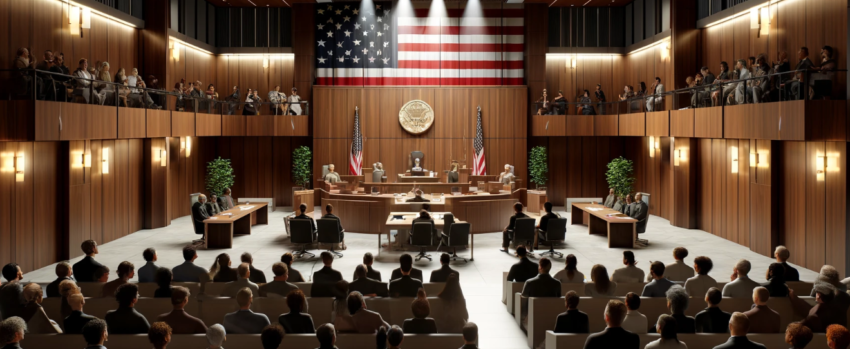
(163, 158)
(19, 168)
(175, 50)
(665, 50)
(754, 159)
(821, 166)
(651, 146)
(104, 162)
(765, 21)
(677, 157)
(571, 63)
(74, 20)
(265, 62)
(182, 143)
(188, 149)
(86, 21)
(734, 159)
(85, 160)
(754, 18)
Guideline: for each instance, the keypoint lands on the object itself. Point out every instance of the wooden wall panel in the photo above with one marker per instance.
(632, 124)
(182, 124)
(835, 206)
(682, 123)
(708, 122)
(658, 124)
(815, 207)
(606, 125)
(794, 172)
(131, 123)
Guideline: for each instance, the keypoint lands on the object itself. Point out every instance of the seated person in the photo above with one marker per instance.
(442, 274)
(452, 176)
(365, 285)
(294, 275)
(524, 269)
(507, 177)
(340, 316)
(212, 206)
(762, 318)
(782, 254)
(329, 209)
(570, 273)
(226, 200)
(742, 286)
(420, 323)
(712, 319)
(639, 210)
(610, 199)
(74, 323)
(414, 272)
(542, 285)
(630, 273)
(424, 217)
(544, 222)
(365, 321)
(257, 275)
(302, 209)
(216, 335)
(221, 270)
(125, 319)
(700, 284)
(101, 274)
(417, 197)
(199, 215)
(179, 320)
(601, 284)
(739, 325)
(33, 313)
(325, 278)
(295, 321)
(95, 333)
(667, 326)
(244, 320)
(126, 271)
(279, 285)
(63, 272)
(394, 336)
(613, 336)
(677, 302)
(368, 259)
(508, 233)
(233, 287)
(416, 166)
(188, 271)
(272, 336)
(572, 320)
(659, 285)
(405, 286)
(776, 281)
(677, 271)
(332, 176)
(634, 322)
(163, 280)
(84, 269)
(798, 335)
(837, 337)
(326, 334)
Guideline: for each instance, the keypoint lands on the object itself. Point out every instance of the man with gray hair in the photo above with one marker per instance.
(216, 335)
(739, 325)
(199, 215)
(741, 286)
(12, 332)
(677, 302)
(244, 272)
(782, 254)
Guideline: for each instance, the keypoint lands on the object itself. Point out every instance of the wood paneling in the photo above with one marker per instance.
(207, 124)
(708, 122)
(835, 206)
(815, 206)
(47, 116)
(581, 125)
(101, 122)
(633, 124)
(606, 125)
(261, 125)
(155, 179)
(233, 125)
(825, 120)
(158, 123)
(658, 124)
(682, 123)
(684, 183)
(182, 124)
(131, 123)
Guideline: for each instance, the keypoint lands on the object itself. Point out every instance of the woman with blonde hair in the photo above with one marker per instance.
(601, 284)
(221, 271)
(33, 313)
(123, 91)
(66, 289)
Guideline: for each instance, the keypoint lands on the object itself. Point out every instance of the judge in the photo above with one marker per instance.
(199, 214)
(417, 167)
(452, 175)
(609, 201)
(506, 177)
(378, 173)
(332, 176)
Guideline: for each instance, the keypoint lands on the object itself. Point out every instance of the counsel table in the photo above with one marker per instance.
(620, 229)
(405, 224)
(221, 227)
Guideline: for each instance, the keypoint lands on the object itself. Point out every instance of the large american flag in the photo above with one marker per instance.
(479, 165)
(355, 159)
(419, 43)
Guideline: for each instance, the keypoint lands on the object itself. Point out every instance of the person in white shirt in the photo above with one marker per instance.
(699, 285)
(570, 274)
(741, 286)
(630, 273)
(635, 322)
(666, 326)
(295, 102)
(678, 271)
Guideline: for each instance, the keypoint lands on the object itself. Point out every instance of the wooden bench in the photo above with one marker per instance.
(693, 341)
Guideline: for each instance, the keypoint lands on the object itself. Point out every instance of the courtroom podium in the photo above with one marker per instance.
(305, 196)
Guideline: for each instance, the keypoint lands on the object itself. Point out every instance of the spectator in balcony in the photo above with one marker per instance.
(600, 97)
(741, 88)
(212, 96)
(178, 90)
(139, 85)
(153, 84)
(585, 106)
(707, 78)
(26, 61)
(795, 85)
(759, 88)
(543, 103)
(657, 90)
(123, 91)
(84, 84)
(61, 88)
(826, 72)
(781, 65)
(105, 76)
(252, 103)
(560, 102)
(232, 101)
(276, 97)
(294, 102)
(720, 92)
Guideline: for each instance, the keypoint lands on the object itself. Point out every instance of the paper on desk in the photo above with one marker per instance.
(595, 208)
(623, 217)
(213, 217)
(227, 214)
(245, 207)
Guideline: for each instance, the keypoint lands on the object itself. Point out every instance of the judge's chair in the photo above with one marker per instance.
(458, 236)
(416, 154)
(301, 232)
(557, 231)
(378, 176)
(524, 231)
(422, 237)
(328, 230)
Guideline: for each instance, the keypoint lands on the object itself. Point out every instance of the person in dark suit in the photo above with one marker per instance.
(660, 284)
(420, 323)
(226, 200)
(405, 286)
(294, 275)
(414, 272)
(368, 259)
(279, 285)
(188, 271)
(325, 278)
(830, 309)
(11, 293)
(85, 269)
(147, 273)
(677, 303)
(470, 336)
(295, 321)
(544, 222)
(257, 275)
(508, 233)
(326, 334)
(739, 324)
(782, 254)
(94, 332)
(440, 275)
(365, 285)
(795, 86)
(329, 209)
(212, 206)
(572, 320)
(63, 272)
(639, 210)
(798, 335)
(712, 319)
(199, 215)
(272, 335)
(125, 319)
(126, 271)
(524, 269)
(762, 318)
(365, 320)
(74, 323)
(543, 285)
(613, 336)
(179, 320)
(303, 215)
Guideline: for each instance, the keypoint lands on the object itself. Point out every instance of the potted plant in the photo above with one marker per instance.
(219, 176)
(302, 166)
(538, 166)
(620, 176)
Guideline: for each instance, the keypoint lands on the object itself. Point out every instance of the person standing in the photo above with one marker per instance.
(600, 98)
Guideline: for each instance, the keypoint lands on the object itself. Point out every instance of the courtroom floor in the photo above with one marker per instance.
(480, 279)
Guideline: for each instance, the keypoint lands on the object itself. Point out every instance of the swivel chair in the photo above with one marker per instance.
(422, 236)
(301, 232)
(458, 236)
(557, 231)
(448, 220)
(329, 233)
(524, 230)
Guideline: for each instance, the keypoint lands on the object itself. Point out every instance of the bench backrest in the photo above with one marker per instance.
(693, 341)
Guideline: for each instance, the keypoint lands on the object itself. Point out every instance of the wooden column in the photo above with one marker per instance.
(153, 53)
(684, 159)
(303, 46)
(684, 47)
(156, 184)
(536, 34)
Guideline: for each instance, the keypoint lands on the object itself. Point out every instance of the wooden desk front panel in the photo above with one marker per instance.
(365, 217)
(484, 216)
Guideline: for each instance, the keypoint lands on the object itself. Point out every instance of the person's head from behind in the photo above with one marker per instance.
(341, 289)
(159, 334)
(586, 93)
(713, 296)
(521, 251)
(272, 336)
(547, 207)
(76, 301)
(355, 302)
(127, 295)
(368, 259)
(95, 332)
(571, 300)
(247, 258)
(703, 265)
(666, 326)
(179, 297)
(329, 208)
(628, 258)
(599, 274)
(360, 271)
(243, 270)
(89, 247)
(281, 271)
(643, 86)
(798, 335)
(445, 259)
(632, 301)
(657, 269)
(67, 288)
(615, 312)
(101, 274)
(470, 332)
(677, 299)
(163, 277)
(12, 330)
(326, 334)
(296, 301)
(760, 296)
(704, 70)
(775, 272)
(837, 337)
(679, 253)
(327, 258)
(63, 270)
(395, 336)
(33, 293)
(739, 324)
(781, 254)
(287, 258)
(189, 254)
(724, 66)
(420, 308)
(424, 214)
(742, 268)
(216, 335)
(544, 265)
(302, 208)
(824, 293)
(149, 254)
(405, 263)
(518, 207)
(12, 272)
(244, 298)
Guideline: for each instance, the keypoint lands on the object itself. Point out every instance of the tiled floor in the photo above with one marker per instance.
(481, 279)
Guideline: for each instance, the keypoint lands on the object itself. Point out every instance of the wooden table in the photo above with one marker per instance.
(619, 228)
(303, 197)
(536, 199)
(221, 227)
(418, 179)
(406, 224)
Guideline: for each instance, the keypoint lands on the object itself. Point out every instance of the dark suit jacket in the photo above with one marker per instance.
(199, 214)
(419, 326)
(84, 270)
(213, 208)
(543, 285)
(11, 299)
(414, 273)
(332, 216)
(73, 324)
(523, 270)
(442, 274)
(226, 275)
(53, 287)
(763, 320)
(712, 320)
(512, 223)
(367, 285)
(424, 220)
(183, 323)
(612, 337)
(126, 321)
(372, 274)
(685, 324)
(544, 221)
(708, 79)
(572, 321)
(741, 342)
(257, 276)
(324, 281)
(297, 323)
(791, 273)
(312, 221)
(295, 276)
(405, 287)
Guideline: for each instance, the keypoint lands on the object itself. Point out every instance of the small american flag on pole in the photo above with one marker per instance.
(355, 160)
(479, 166)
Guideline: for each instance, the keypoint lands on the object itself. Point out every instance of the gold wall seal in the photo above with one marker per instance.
(416, 117)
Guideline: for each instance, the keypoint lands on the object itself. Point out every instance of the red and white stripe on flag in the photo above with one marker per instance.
(479, 165)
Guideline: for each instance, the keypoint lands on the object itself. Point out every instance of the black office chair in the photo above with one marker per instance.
(329, 233)
(422, 236)
(458, 236)
(524, 230)
(301, 232)
(557, 231)
(448, 220)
